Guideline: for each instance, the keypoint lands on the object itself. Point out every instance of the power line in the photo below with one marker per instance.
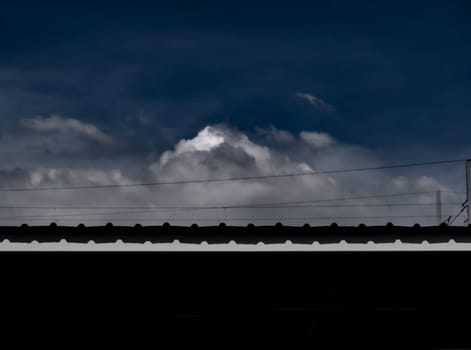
(457, 215)
(453, 192)
(157, 209)
(245, 178)
(151, 211)
(384, 195)
(254, 218)
(271, 204)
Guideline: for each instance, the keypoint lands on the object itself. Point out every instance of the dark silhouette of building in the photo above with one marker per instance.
(369, 299)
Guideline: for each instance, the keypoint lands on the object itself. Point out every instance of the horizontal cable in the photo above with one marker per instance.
(274, 206)
(171, 209)
(348, 198)
(245, 178)
(250, 218)
(256, 205)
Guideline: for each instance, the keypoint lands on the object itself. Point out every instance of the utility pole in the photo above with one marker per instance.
(439, 206)
(468, 189)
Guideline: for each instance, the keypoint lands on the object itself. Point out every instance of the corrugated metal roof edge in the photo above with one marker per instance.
(249, 234)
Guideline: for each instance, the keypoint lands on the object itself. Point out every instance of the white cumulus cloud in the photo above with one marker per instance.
(219, 150)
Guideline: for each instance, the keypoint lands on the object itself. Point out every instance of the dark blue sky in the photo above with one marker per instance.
(397, 74)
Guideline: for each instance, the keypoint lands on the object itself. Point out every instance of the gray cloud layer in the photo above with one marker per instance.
(218, 151)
